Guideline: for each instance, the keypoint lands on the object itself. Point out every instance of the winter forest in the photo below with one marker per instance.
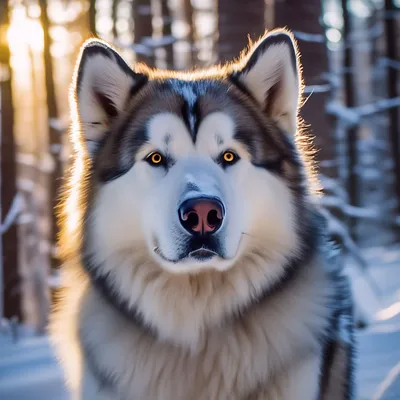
(350, 52)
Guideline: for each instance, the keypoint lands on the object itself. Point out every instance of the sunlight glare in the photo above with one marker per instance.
(24, 32)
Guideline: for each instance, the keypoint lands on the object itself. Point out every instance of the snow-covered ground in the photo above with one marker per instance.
(29, 371)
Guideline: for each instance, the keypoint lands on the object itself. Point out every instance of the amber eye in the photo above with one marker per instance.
(155, 159)
(229, 157)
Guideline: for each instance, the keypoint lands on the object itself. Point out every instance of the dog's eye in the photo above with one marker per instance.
(229, 158)
(155, 159)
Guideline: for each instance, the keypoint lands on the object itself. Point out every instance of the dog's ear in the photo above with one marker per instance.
(270, 73)
(103, 84)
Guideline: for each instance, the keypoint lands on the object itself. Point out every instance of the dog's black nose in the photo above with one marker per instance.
(201, 216)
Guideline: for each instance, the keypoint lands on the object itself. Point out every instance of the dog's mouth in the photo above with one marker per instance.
(200, 255)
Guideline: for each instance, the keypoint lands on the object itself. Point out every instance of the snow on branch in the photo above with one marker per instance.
(338, 229)
(148, 45)
(158, 42)
(309, 37)
(388, 62)
(349, 210)
(348, 115)
(58, 125)
(26, 185)
(317, 89)
(378, 106)
(332, 185)
(16, 208)
(352, 116)
(26, 159)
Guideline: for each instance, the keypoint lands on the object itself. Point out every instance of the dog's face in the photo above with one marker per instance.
(197, 169)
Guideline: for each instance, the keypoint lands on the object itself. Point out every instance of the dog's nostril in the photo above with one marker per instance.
(214, 218)
(201, 216)
(192, 220)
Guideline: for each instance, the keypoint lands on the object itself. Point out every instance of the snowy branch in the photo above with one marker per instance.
(317, 89)
(349, 210)
(337, 228)
(378, 106)
(148, 45)
(348, 115)
(309, 37)
(387, 62)
(58, 125)
(16, 208)
(26, 159)
(352, 116)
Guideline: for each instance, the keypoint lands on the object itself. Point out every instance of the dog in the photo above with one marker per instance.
(196, 262)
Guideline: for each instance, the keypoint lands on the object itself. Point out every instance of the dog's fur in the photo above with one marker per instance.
(267, 314)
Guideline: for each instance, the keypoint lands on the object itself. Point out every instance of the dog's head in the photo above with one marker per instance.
(196, 169)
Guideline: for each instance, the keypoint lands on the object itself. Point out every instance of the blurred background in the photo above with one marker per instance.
(350, 54)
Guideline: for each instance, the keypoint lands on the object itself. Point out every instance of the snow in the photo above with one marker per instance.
(16, 208)
(378, 354)
(28, 370)
(58, 125)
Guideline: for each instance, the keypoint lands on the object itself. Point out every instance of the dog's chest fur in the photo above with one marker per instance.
(230, 361)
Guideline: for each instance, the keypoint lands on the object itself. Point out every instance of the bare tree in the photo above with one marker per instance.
(237, 21)
(92, 17)
(187, 10)
(303, 18)
(167, 34)
(114, 17)
(143, 31)
(55, 142)
(352, 133)
(11, 283)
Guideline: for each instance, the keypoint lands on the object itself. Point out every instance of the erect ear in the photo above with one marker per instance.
(104, 83)
(270, 73)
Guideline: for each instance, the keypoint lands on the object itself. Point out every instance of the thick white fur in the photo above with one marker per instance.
(129, 211)
(146, 198)
(273, 345)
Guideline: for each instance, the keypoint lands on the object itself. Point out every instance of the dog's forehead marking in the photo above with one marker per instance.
(167, 139)
(217, 129)
(191, 99)
(168, 132)
(219, 139)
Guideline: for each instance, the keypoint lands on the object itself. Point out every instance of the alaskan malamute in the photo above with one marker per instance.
(196, 265)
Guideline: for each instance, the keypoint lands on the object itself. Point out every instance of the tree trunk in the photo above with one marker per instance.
(303, 17)
(143, 31)
(92, 17)
(352, 133)
(10, 289)
(55, 142)
(236, 21)
(114, 18)
(167, 34)
(188, 17)
(392, 87)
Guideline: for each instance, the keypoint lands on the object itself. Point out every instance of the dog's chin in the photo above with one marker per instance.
(195, 261)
